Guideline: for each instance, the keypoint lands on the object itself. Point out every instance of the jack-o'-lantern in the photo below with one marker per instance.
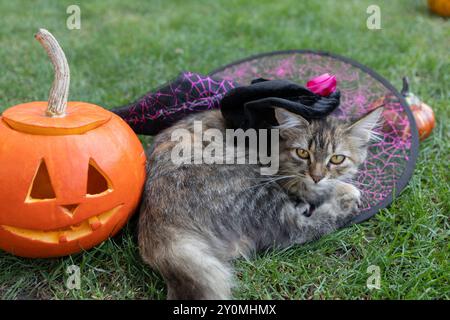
(71, 174)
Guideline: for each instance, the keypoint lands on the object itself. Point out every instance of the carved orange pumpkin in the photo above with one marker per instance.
(440, 7)
(71, 174)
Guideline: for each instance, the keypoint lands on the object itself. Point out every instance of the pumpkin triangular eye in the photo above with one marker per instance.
(97, 181)
(41, 187)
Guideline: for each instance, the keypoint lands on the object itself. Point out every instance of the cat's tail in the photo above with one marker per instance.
(190, 266)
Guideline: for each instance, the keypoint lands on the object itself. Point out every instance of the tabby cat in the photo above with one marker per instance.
(196, 218)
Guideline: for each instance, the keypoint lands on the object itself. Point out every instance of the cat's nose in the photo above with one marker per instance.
(316, 178)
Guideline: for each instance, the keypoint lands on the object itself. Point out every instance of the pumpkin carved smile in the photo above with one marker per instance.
(70, 233)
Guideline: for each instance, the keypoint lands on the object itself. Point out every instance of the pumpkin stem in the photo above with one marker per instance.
(59, 92)
(405, 88)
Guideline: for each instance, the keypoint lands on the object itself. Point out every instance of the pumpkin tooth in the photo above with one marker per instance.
(62, 238)
(95, 223)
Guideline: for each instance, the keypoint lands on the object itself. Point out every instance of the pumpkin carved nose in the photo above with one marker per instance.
(69, 209)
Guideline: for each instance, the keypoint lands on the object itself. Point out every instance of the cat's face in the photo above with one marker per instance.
(319, 152)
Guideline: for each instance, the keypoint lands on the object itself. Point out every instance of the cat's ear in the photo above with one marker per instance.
(287, 119)
(291, 125)
(363, 129)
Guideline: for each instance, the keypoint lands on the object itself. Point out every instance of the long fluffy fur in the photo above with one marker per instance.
(195, 219)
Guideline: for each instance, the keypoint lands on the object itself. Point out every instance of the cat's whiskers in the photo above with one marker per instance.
(292, 183)
(355, 182)
(266, 177)
(270, 180)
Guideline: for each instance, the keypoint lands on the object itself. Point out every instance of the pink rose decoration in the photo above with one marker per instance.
(322, 85)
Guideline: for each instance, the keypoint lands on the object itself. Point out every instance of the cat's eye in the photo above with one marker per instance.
(302, 153)
(337, 159)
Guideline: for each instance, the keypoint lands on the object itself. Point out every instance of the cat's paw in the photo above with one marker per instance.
(348, 198)
(303, 208)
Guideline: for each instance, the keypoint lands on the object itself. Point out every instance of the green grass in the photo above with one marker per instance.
(125, 48)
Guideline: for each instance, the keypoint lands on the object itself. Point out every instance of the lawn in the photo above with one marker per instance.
(125, 48)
